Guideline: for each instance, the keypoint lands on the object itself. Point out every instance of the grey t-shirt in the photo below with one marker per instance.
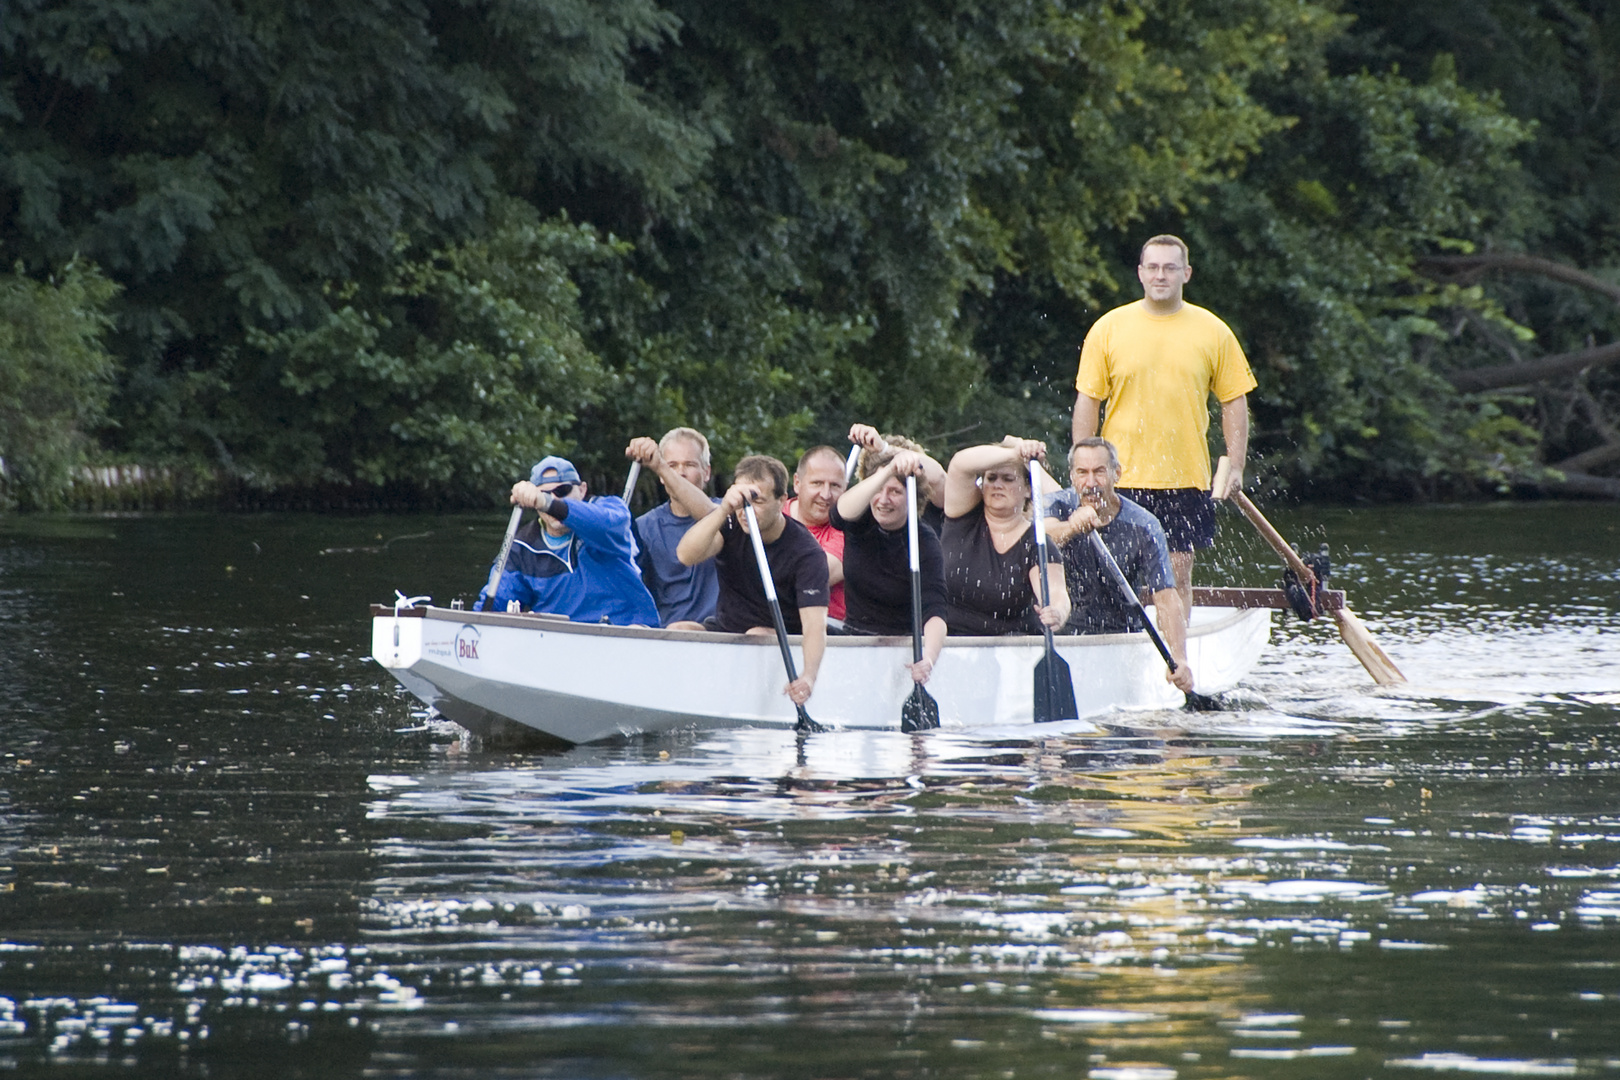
(1136, 541)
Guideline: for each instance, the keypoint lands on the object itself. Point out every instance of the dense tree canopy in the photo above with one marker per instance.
(408, 246)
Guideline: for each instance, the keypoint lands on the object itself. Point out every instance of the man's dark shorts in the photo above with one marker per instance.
(1187, 514)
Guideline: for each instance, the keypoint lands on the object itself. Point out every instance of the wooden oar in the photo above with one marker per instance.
(805, 724)
(1351, 629)
(1134, 601)
(921, 711)
(1054, 686)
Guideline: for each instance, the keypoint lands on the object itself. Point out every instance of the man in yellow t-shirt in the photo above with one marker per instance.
(1156, 362)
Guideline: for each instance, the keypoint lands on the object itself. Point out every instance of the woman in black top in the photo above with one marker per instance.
(877, 559)
(992, 563)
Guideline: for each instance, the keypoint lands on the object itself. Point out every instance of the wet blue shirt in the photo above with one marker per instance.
(681, 592)
(1136, 541)
(590, 575)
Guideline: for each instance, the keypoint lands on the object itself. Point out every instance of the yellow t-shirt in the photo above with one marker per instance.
(1156, 373)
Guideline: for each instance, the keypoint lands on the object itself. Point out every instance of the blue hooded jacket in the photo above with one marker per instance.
(592, 578)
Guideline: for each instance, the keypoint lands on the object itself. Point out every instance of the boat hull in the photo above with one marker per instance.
(581, 683)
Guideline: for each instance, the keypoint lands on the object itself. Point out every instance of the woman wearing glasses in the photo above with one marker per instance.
(992, 563)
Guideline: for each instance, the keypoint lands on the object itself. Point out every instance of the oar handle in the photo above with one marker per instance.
(1106, 557)
(850, 463)
(1306, 577)
(776, 608)
(1282, 547)
(506, 549)
(630, 481)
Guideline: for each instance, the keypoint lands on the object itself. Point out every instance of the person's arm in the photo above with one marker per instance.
(599, 523)
(1235, 429)
(934, 481)
(867, 438)
(702, 541)
(854, 503)
(934, 633)
(685, 495)
(1173, 628)
(813, 624)
(1086, 411)
(1082, 521)
(1056, 613)
(961, 491)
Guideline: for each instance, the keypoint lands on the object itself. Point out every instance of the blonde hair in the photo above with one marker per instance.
(1166, 240)
(873, 460)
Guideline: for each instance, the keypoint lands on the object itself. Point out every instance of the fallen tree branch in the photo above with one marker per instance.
(1579, 483)
(1589, 459)
(1547, 367)
(1524, 264)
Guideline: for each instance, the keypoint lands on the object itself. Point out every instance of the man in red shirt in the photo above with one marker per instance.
(817, 483)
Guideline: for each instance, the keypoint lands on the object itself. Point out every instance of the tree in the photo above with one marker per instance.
(55, 377)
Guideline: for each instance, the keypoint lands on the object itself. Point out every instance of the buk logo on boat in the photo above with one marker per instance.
(466, 643)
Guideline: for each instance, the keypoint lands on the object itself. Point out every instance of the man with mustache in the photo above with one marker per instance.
(1135, 539)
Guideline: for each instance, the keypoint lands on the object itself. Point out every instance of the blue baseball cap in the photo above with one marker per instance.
(554, 470)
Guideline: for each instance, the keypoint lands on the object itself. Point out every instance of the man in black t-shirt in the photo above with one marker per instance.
(798, 566)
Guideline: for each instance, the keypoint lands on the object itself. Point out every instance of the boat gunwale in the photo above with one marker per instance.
(541, 621)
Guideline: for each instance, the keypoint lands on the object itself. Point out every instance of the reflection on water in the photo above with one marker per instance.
(228, 846)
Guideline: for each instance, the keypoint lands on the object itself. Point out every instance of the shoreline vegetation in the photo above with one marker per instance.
(390, 256)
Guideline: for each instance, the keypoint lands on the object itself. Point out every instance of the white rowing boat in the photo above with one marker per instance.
(580, 683)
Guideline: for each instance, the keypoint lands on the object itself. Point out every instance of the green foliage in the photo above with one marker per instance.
(414, 244)
(55, 378)
(461, 370)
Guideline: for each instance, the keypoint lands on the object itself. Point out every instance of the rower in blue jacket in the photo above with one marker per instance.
(578, 559)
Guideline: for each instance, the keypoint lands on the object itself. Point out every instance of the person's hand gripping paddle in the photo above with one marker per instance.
(921, 711)
(499, 568)
(805, 724)
(1054, 686)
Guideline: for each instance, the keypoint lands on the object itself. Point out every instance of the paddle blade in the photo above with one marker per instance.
(1360, 639)
(920, 712)
(1054, 690)
(806, 726)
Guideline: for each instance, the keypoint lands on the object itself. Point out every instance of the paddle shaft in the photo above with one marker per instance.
(916, 570)
(850, 463)
(1112, 566)
(919, 712)
(1223, 469)
(775, 606)
(1040, 546)
(506, 549)
(630, 481)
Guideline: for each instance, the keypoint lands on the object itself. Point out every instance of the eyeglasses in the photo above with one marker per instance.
(561, 491)
(1168, 268)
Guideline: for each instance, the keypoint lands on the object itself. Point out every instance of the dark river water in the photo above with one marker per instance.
(229, 847)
